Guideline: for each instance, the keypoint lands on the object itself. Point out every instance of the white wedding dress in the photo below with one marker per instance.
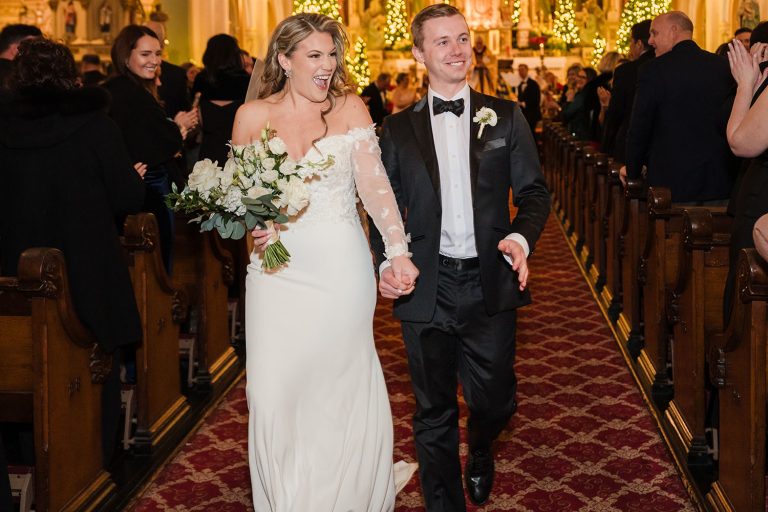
(320, 427)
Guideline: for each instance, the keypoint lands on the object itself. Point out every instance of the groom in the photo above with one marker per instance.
(452, 176)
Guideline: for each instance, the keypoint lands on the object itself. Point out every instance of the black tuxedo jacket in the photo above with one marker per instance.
(173, 89)
(504, 158)
(620, 108)
(531, 97)
(375, 104)
(678, 121)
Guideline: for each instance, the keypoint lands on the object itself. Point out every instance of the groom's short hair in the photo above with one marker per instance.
(433, 11)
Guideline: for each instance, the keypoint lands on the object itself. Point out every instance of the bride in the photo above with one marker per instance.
(320, 425)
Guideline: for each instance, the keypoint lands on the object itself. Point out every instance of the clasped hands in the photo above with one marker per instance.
(399, 278)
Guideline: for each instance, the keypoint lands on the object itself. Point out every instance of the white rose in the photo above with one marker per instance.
(246, 182)
(277, 146)
(268, 163)
(269, 176)
(204, 176)
(248, 153)
(256, 192)
(288, 167)
(296, 195)
(261, 154)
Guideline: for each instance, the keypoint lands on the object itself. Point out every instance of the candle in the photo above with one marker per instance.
(541, 49)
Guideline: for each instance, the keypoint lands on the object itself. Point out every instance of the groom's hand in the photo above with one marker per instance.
(392, 288)
(519, 262)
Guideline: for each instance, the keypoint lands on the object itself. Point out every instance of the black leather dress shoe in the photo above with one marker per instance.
(478, 475)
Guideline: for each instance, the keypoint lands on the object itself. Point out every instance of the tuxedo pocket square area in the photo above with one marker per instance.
(494, 144)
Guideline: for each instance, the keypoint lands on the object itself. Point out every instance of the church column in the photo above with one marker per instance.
(206, 18)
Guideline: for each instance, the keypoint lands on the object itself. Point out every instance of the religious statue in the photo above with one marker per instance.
(749, 14)
(24, 14)
(374, 19)
(105, 18)
(158, 15)
(70, 19)
(591, 21)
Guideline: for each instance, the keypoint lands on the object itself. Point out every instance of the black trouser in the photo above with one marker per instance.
(6, 503)
(462, 339)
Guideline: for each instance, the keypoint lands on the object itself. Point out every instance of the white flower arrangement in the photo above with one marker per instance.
(258, 185)
(485, 116)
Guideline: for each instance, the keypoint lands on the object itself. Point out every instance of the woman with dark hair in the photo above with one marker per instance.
(222, 86)
(152, 139)
(66, 176)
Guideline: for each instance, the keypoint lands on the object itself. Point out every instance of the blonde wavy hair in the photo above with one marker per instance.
(287, 36)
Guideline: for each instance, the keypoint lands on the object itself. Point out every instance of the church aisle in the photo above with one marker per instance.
(582, 439)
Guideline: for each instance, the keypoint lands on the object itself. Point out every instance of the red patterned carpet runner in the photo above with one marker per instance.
(582, 439)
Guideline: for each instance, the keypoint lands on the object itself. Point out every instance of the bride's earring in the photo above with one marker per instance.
(288, 73)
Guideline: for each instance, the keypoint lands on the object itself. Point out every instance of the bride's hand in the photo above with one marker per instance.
(404, 272)
(261, 237)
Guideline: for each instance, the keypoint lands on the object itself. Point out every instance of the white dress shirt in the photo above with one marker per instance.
(451, 137)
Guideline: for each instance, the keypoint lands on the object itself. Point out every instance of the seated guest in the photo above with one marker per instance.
(222, 85)
(748, 137)
(151, 137)
(743, 35)
(66, 176)
(10, 37)
(90, 69)
(677, 128)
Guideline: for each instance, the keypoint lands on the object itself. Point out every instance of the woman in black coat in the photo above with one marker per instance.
(66, 177)
(222, 86)
(152, 138)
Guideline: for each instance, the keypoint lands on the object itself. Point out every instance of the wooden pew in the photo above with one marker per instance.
(737, 364)
(696, 314)
(613, 208)
(582, 168)
(631, 239)
(658, 272)
(204, 270)
(50, 375)
(575, 154)
(160, 404)
(597, 191)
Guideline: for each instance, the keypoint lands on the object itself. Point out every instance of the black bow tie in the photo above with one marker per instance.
(441, 106)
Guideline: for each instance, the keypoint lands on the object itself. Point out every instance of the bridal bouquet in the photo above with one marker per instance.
(258, 185)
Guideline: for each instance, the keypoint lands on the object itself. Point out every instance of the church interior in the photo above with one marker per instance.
(636, 392)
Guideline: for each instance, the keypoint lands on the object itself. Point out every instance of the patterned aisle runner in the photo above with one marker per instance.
(582, 439)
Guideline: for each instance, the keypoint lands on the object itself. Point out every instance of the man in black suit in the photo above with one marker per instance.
(10, 37)
(529, 97)
(452, 173)
(623, 92)
(173, 89)
(374, 96)
(677, 128)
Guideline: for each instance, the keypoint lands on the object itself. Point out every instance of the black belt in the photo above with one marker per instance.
(459, 263)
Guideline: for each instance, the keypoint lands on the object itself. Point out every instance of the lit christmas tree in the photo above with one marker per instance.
(328, 7)
(357, 65)
(565, 22)
(599, 43)
(397, 24)
(636, 11)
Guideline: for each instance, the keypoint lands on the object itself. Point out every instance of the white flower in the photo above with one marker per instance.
(270, 175)
(268, 164)
(277, 146)
(256, 192)
(227, 174)
(246, 182)
(232, 201)
(288, 167)
(204, 177)
(296, 195)
(485, 116)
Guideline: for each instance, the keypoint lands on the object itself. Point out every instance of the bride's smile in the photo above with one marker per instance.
(311, 67)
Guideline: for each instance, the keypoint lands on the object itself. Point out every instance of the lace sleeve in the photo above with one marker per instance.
(376, 193)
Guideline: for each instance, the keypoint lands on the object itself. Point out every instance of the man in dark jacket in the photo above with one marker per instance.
(373, 96)
(529, 97)
(677, 128)
(10, 37)
(623, 92)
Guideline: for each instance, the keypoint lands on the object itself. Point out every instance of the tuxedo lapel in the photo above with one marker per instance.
(422, 128)
(476, 102)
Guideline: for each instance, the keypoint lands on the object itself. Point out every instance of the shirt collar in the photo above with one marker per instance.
(463, 94)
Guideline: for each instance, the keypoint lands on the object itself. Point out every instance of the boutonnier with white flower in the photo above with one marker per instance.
(259, 185)
(485, 116)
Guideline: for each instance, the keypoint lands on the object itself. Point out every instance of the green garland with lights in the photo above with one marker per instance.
(357, 64)
(636, 11)
(328, 7)
(565, 22)
(397, 35)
